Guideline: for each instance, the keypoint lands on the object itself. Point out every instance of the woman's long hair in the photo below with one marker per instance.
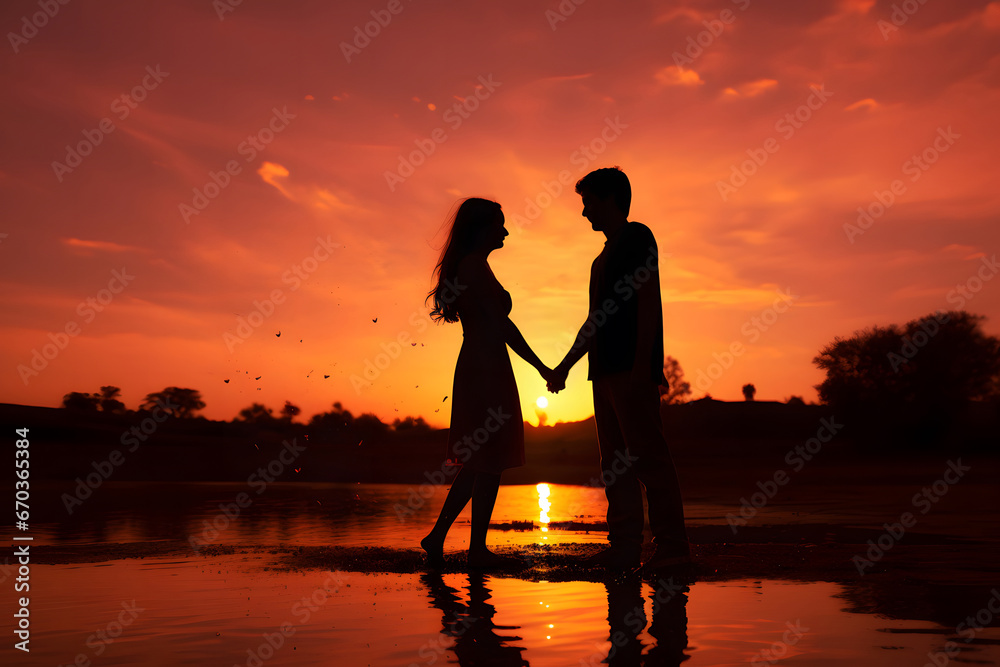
(472, 216)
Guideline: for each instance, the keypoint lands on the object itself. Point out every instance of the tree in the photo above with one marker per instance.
(410, 424)
(105, 401)
(108, 400)
(257, 413)
(336, 419)
(178, 402)
(290, 411)
(676, 390)
(749, 391)
(919, 375)
(83, 402)
(367, 425)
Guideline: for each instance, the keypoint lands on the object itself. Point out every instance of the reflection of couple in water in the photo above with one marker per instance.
(469, 631)
(623, 339)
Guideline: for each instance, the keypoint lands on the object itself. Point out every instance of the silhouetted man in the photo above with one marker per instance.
(623, 338)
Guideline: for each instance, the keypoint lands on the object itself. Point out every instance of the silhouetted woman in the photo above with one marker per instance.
(487, 431)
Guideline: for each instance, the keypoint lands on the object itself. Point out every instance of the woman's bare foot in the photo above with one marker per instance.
(435, 551)
(484, 559)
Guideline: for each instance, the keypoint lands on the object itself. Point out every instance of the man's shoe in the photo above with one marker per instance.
(664, 558)
(614, 559)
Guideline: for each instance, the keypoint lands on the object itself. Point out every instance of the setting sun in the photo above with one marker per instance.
(542, 402)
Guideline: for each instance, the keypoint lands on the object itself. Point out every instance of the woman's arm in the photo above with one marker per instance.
(513, 338)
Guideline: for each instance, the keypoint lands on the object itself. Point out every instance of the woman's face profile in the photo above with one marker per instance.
(494, 233)
(499, 230)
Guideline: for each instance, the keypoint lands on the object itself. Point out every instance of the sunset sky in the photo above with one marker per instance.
(324, 205)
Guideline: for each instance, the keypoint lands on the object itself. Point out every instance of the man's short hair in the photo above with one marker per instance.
(608, 182)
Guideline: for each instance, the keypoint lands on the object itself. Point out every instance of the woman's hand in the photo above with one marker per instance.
(555, 379)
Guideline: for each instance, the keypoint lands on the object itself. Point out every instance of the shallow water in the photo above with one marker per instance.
(230, 611)
(399, 515)
(223, 609)
(314, 514)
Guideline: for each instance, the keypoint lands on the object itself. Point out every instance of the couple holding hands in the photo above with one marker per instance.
(623, 338)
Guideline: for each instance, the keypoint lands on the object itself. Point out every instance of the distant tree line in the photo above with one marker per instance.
(910, 383)
(183, 403)
(915, 382)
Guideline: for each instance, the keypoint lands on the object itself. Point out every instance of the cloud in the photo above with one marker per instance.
(751, 89)
(85, 247)
(677, 76)
(311, 195)
(273, 174)
(868, 104)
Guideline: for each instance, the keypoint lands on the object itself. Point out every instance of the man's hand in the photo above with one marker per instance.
(556, 379)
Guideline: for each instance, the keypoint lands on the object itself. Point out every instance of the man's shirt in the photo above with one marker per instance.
(627, 263)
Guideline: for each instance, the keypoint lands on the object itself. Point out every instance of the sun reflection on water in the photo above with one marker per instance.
(543, 507)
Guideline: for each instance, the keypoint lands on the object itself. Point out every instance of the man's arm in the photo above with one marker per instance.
(580, 346)
(650, 310)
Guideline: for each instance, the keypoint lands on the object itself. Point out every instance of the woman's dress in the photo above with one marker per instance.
(487, 430)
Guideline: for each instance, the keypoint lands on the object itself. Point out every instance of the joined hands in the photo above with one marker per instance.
(555, 379)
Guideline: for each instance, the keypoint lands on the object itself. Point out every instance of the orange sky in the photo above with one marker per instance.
(539, 94)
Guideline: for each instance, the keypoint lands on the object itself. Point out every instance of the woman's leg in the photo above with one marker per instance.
(458, 497)
(484, 497)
